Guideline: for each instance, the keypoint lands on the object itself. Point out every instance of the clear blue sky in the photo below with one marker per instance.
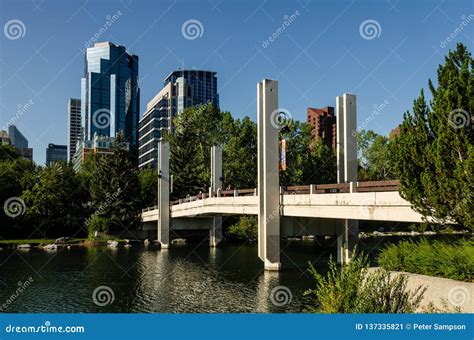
(319, 55)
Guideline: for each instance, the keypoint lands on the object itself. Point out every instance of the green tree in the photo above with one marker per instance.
(148, 187)
(54, 200)
(374, 157)
(115, 192)
(240, 154)
(434, 152)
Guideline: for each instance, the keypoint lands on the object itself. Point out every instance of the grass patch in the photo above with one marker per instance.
(353, 289)
(452, 260)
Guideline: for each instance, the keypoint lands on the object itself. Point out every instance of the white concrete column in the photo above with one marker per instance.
(215, 231)
(347, 171)
(268, 174)
(163, 194)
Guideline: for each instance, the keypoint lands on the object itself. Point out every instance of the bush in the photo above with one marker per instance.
(452, 260)
(354, 289)
(98, 223)
(245, 229)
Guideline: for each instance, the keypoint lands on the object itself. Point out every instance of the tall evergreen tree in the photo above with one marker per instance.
(115, 192)
(434, 153)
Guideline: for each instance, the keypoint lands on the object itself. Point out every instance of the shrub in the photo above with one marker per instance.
(245, 229)
(354, 289)
(453, 260)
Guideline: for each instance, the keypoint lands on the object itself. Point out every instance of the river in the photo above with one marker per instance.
(144, 279)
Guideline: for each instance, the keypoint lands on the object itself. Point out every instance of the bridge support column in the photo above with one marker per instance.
(346, 122)
(268, 175)
(215, 231)
(347, 240)
(164, 195)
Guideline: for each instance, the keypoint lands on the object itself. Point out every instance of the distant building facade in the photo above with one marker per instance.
(99, 145)
(110, 94)
(74, 126)
(182, 89)
(324, 125)
(20, 143)
(56, 153)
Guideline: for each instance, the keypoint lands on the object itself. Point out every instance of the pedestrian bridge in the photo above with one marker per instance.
(371, 201)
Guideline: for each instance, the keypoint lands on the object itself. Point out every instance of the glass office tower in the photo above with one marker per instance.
(110, 95)
(182, 89)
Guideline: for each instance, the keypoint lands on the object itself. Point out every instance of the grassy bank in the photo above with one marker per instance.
(452, 260)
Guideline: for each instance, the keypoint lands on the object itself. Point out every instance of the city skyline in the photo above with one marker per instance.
(313, 63)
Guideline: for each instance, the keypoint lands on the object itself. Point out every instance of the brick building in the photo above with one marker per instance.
(324, 124)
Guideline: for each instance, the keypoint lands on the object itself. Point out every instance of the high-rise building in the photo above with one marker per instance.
(99, 145)
(56, 153)
(182, 89)
(110, 95)
(4, 138)
(16, 137)
(20, 143)
(74, 127)
(324, 125)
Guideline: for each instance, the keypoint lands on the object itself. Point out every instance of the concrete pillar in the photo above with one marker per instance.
(347, 172)
(164, 194)
(347, 239)
(268, 175)
(215, 231)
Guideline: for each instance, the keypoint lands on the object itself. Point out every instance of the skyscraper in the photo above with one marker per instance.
(56, 153)
(182, 88)
(324, 125)
(74, 129)
(110, 95)
(20, 143)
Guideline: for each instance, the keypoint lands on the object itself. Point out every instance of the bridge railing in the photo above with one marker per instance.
(371, 186)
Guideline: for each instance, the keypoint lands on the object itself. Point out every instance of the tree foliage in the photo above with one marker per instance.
(115, 192)
(375, 160)
(434, 152)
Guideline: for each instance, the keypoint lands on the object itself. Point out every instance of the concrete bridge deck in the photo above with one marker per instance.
(378, 205)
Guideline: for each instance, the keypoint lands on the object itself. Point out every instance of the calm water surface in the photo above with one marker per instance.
(187, 279)
(190, 278)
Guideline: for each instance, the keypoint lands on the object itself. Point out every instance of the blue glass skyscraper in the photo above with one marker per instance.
(110, 95)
